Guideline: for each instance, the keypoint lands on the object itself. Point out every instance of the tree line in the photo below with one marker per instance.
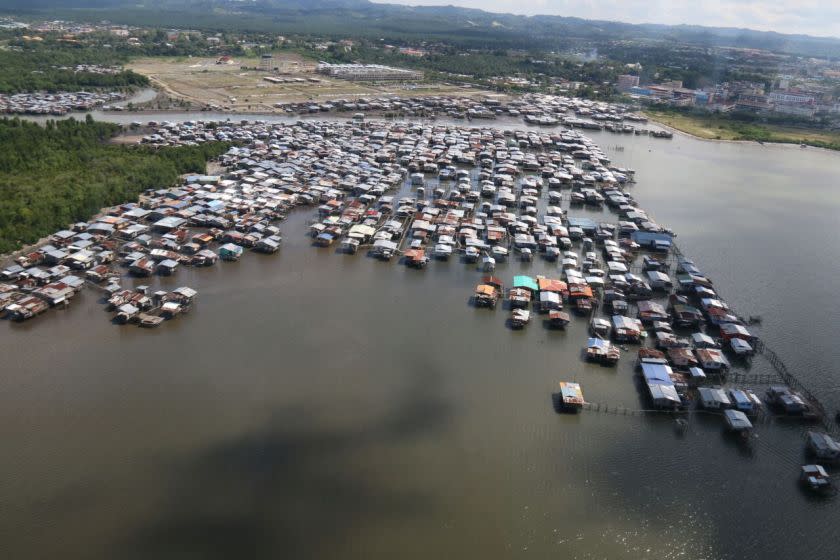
(51, 68)
(65, 171)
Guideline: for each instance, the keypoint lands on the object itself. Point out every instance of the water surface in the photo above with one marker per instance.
(316, 405)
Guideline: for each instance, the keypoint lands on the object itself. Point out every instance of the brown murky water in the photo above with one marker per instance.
(316, 405)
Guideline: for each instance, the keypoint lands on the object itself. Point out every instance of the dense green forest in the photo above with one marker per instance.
(48, 67)
(65, 171)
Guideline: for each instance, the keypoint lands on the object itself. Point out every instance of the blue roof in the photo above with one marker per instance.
(656, 374)
(739, 397)
(582, 223)
(647, 237)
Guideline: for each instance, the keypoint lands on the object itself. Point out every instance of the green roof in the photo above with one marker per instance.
(525, 282)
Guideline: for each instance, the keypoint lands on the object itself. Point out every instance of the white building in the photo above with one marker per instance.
(369, 72)
(790, 97)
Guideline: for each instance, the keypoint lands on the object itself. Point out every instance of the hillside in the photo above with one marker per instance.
(458, 25)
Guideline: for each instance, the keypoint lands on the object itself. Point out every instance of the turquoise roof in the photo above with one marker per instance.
(525, 282)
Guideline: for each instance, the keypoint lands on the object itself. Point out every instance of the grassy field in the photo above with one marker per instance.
(716, 127)
(202, 82)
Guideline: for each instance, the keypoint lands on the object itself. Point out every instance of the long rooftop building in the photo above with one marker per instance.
(369, 72)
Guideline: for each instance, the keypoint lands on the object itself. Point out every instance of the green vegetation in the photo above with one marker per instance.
(448, 63)
(65, 171)
(46, 67)
(467, 28)
(746, 127)
(695, 67)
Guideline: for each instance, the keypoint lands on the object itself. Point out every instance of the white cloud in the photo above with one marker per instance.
(812, 17)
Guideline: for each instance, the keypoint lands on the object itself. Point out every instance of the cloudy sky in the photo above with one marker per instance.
(812, 17)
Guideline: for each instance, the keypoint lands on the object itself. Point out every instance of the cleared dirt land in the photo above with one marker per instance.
(204, 82)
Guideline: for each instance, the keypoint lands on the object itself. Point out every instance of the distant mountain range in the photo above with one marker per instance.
(363, 18)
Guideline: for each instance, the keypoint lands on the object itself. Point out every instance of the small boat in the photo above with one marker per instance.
(815, 478)
(442, 251)
(570, 397)
(612, 356)
(741, 347)
(150, 321)
(499, 253)
(602, 351)
(416, 258)
(471, 254)
(485, 296)
(583, 306)
(519, 297)
(558, 319)
(737, 421)
(350, 245)
(323, 240)
(600, 327)
(488, 263)
(519, 318)
(232, 252)
(551, 253)
(170, 309)
(126, 313)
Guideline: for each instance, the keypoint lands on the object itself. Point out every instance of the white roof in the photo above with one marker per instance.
(737, 420)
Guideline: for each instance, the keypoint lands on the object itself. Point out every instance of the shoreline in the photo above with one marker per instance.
(654, 120)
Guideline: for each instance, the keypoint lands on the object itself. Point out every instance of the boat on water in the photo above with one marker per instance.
(558, 319)
(471, 254)
(602, 351)
(600, 327)
(570, 397)
(350, 245)
(126, 313)
(741, 347)
(416, 258)
(322, 240)
(822, 447)
(384, 249)
(519, 318)
(737, 421)
(442, 251)
(815, 478)
(26, 308)
(485, 295)
(583, 306)
(232, 252)
(499, 253)
(519, 298)
(488, 263)
(149, 321)
(786, 400)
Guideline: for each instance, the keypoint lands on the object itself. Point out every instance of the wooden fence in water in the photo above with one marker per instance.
(778, 365)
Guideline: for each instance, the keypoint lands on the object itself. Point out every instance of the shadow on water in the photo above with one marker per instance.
(293, 487)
